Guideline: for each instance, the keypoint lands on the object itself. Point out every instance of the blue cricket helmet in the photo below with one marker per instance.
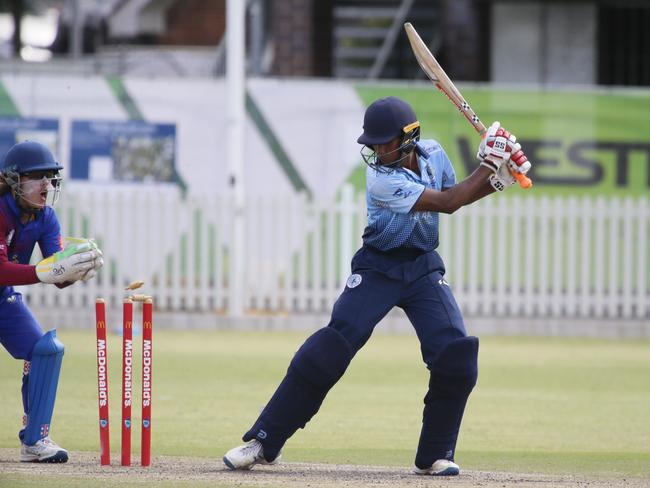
(28, 156)
(386, 119)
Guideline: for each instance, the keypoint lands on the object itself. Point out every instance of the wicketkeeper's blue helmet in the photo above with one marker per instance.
(385, 120)
(28, 156)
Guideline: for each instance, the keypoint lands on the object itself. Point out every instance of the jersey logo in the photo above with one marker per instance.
(354, 281)
(401, 193)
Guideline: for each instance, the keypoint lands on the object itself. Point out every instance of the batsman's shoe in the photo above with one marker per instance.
(247, 456)
(44, 451)
(442, 467)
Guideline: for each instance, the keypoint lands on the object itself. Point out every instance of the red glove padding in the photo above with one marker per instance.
(496, 147)
(519, 162)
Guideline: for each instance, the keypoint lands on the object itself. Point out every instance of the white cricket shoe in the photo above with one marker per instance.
(247, 456)
(44, 451)
(442, 467)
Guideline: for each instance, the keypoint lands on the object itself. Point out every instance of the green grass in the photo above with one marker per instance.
(541, 405)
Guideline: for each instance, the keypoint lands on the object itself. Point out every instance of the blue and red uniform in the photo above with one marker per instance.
(19, 329)
(28, 177)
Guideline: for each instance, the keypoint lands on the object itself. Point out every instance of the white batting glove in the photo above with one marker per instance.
(71, 264)
(518, 161)
(496, 147)
(502, 179)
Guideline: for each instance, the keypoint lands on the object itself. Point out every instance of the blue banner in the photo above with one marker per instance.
(18, 129)
(123, 151)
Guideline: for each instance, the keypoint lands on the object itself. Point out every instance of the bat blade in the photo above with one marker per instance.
(439, 78)
(437, 75)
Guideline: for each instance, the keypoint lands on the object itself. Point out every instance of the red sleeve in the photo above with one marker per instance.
(12, 274)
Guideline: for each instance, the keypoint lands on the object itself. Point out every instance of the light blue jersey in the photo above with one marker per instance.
(391, 196)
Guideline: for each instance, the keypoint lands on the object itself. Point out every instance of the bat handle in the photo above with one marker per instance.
(524, 181)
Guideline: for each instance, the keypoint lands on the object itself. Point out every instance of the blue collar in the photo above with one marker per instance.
(426, 177)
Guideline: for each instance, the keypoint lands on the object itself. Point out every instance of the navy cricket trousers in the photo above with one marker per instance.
(409, 279)
(19, 330)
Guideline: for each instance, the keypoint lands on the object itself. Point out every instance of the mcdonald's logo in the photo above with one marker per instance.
(127, 325)
(147, 325)
(101, 324)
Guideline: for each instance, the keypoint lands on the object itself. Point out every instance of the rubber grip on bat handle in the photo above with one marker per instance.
(524, 181)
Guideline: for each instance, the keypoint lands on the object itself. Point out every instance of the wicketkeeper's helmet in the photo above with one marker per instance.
(27, 157)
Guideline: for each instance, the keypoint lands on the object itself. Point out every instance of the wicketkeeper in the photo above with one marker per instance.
(29, 186)
(408, 182)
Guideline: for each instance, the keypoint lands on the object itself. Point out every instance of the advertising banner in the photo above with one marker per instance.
(123, 151)
(580, 142)
(18, 129)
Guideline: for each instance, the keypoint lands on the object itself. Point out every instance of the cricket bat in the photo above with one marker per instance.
(440, 79)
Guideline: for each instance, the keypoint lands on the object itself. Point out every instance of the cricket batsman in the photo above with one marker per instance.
(29, 186)
(408, 183)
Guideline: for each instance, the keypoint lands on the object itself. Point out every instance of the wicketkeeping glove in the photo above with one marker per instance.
(71, 264)
(98, 261)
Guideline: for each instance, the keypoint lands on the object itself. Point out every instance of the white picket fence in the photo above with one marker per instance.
(506, 256)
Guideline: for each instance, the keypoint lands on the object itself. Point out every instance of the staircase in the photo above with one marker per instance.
(369, 39)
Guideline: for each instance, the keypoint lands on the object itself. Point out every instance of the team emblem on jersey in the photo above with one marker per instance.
(401, 193)
(353, 281)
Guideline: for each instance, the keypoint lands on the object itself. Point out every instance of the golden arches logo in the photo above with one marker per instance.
(127, 324)
(147, 324)
(101, 324)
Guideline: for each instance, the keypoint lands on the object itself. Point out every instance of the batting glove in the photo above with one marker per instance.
(496, 147)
